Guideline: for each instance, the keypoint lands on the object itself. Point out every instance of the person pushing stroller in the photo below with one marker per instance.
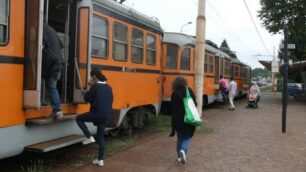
(253, 95)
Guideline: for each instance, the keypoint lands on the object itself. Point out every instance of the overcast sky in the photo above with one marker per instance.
(225, 19)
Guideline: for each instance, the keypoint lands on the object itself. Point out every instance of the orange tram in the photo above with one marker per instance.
(138, 58)
(178, 60)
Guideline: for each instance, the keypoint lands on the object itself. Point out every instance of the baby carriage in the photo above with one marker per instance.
(252, 99)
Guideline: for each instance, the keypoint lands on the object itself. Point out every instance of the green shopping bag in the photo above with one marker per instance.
(192, 116)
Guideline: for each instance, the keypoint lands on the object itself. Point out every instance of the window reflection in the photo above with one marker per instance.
(99, 41)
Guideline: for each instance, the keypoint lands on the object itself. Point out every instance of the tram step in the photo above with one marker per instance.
(55, 144)
(48, 120)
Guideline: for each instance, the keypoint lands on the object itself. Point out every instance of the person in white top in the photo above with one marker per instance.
(232, 93)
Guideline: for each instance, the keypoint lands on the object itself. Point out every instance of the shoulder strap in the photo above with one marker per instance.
(187, 93)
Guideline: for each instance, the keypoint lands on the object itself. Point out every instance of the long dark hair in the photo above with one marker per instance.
(97, 73)
(179, 82)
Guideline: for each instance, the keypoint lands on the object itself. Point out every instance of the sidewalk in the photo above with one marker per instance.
(243, 140)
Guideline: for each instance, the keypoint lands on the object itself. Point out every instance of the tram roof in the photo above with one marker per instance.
(179, 39)
(130, 13)
(237, 61)
(222, 54)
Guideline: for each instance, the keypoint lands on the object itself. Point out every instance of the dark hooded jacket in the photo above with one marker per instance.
(178, 112)
(52, 54)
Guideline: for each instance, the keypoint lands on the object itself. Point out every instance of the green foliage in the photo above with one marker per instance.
(162, 123)
(275, 14)
(36, 166)
(279, 85)
(267, 89)
(115, 144)
(224, 45)
(260, 72)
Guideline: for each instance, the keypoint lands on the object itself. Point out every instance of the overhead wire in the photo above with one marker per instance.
(246, 5)
(227, 25)
(227, 28)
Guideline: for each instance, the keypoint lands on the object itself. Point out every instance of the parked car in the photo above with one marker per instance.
(295, 89)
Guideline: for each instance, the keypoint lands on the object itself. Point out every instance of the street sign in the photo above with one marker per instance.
(290, 46)
(289, 62)
(275, 66)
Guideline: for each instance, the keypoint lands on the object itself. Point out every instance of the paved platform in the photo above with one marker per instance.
(243, 140)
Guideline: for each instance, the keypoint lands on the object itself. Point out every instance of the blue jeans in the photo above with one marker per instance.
(51, 82)
(183, 143)
(88, 117)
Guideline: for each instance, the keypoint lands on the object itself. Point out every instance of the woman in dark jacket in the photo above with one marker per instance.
(184, 131)
(100, 97)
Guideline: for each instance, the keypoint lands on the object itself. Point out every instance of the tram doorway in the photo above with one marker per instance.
(61, 15)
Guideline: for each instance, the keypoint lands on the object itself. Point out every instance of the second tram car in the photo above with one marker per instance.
(178, 60)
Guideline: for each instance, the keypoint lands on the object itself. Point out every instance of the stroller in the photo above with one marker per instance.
(252, 100)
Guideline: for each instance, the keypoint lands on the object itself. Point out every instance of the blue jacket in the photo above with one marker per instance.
(100, 97)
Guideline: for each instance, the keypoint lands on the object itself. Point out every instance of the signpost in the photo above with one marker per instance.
(274, 70)
(286, 46)
(275, 66)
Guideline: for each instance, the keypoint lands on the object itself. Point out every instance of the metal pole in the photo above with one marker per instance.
(200, 54)
(273, 77)
(285, 78)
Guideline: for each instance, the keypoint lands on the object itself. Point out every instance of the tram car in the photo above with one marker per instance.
(242, 74)
(123, 43)
(178, 60)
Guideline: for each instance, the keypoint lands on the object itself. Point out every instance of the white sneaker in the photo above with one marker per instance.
(179, 159)
(88, 141)
(98, 162)
(57, 115)
(183, 157)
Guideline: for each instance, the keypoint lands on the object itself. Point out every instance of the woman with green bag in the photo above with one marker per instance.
(184, 131)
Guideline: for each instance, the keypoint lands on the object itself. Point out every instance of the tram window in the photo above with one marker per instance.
(151, 50)
(236, 71)
(185, 59)
(227, 68)
(221, 66)
(4, 22)
(172, 57)
(243, 72)
(210, 64)
(120, 42)
(137, 46)
(205, 63)
(99, 37)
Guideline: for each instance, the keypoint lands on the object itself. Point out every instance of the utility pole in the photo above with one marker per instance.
(200, 54)
(285, 74)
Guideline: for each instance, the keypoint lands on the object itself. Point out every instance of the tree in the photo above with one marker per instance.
(275, 14)
(224, 45)
(260, 72)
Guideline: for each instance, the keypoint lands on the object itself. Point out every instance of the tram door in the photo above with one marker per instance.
(33, 53)
(70, 19)
(83, 49)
